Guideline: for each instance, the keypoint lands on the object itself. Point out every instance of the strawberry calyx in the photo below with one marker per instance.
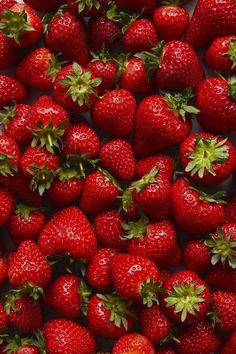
(135, 229)
(84, 292)
(13, 24)
(152, 59)
(24, 210)
(7, 114)
(231, 52)
(7, 167)
(109, 178)
(15, 343)
(232, 87)
(178, 102)
(141, 184)
(42, 177)
(40, 342)
(76, 165)
(68, 173)
(55, 65)
(87, 5)
(149, 290)
(102, 55)
(123, 18)
(119, 309)
(222, 248)
(210, 198)
(186, 299)
(126, 200)
(122, 61)
(208, 151)
(80, 85)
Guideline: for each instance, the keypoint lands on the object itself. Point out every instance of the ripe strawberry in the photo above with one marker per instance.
(44, 6)
(230, 211)
(6, 4)
(61, 334)
(6, 206)
(135, 278)
(21, 25)
(28, 265)
(197, 257)
(199, 338)
(194, 211)
(110, 316)
(224, 309)
(230, 344)
(109, 231)
(171, 22)
(40, 167)
(75, 88)
(133, 343)
(10, 156)
(3, 271)
(98, 273)
(211, 19)
(26, 224)
(216, 98)
(163, 163)
(86, 8)
(175, 65)
(11, 91)
(3, 320)
(221, 277)
(117, 157)
(109, 111)
(66, 34)
(147, 6)
(68, 231)
(162, 122)
(8, 56)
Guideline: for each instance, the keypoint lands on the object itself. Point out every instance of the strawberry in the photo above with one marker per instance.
(230, 211)
(162, 122)
(28, 265)
(117, 157)
(171, 22)
(109, 111)
(26, 224)
(133, 343)
(44, 6)
(211, 19)
(197, 257)
(6, 206)
(165, 274)
(3, 320)
(68, 231)
(207, 159)
(175, 66)
(98, 272)
(216, 98)
(148, 6)
(40, 167)
(76, 88)
(229, 345)
(62, 335)
(221, 277)
(21, 26)
(21, 345)
(66, 34)
(110, 316)
(86, 8)
(224, 309)
(163, 163)
(6, 4)
(195, 211)
(199, 338)
(3, 271)
(10, 156)
(11, 91)
(8, 56)
(135, 278)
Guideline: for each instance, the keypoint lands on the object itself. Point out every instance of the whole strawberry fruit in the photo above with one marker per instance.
(11, 91)
(133, 342)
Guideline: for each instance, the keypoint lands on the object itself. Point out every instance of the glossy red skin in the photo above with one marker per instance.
(21, 229)
(11, 91)
(230, 345)
(8, 146)
(109, 111)
(163, 163)
(98, 273)
(225, 303)
(6, 206)
(106, 70)
(197, 257)
(165, 274)
(98, 194)
(8, 56)
(3, 271)
(63, 296)
(28, 264)
(180, 68)
(68, 231)
(61, 334)
(192, 215)
(108, 228)
(222, 170)
(3, 320)
(133, 343)
(141, 35)
(171, 22)
(157, 127)
(147, 6)
(221, 277)
(230, 211)
(65, 192)
(73, 5)
(44, 6)
(129, 272)
(98, 320)
(67, 35)
(199, 338)
(217, 109)
(117, 157)
(211, 19)
(102, 32)
(6, 4)
(28, 349)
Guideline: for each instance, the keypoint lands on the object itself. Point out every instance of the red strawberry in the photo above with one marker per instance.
(163, 163)
(98, 272)
(148, 6)
(110, 110)
(22, 345)
(44, 6)
(26, 224)
(28, 265)
(197, 257)
(165, 274)
(11, 91)
(171, 22)
(221, 277)
(68, 231)
(194, 211)
(6, 4)
(230, 211)
(61, 334)
(211, 19)
(162, 122)
(110, 316)
(230, 345)
(216, 101)
(10, 156)
(6, 206)
(66, 34)
(3, 320)
(225, 310)
(8, 56)
(75, 88)
(86, 8)
(135, 278)
(133, 343)
(21, 25)
(3, 271)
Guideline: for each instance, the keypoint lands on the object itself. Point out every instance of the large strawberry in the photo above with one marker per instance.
(11, 91)
(8, 56)
(6, 206)
(224, 308)
(10, 156)
(133, 343)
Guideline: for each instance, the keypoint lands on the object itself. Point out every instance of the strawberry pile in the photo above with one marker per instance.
(116, 233)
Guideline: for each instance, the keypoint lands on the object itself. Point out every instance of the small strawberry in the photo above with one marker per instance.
(221, 277)
(11, 91)
(8, 56)
(224, 308)
(86, 8)
(21, 25)
(147, 6)
(3, 271)
(230, 345)
(98, 273)
(6, 206)
(3, 320)
(43, 6)
(68, 231)
(163, 163)
(133, 343)
(26, 224)
(110, 110)
(10, 156)
(197, 257)
(230, 211)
